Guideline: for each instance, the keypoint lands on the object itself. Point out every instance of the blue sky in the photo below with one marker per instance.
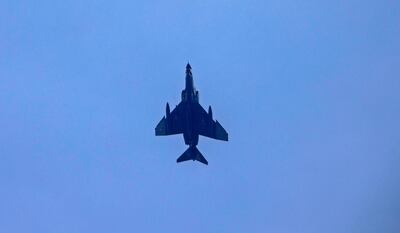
(308, 91)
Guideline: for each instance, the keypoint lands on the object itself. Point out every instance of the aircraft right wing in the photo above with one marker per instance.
(206, 126)
(172, 123)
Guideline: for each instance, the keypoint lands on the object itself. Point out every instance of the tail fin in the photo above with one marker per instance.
(192, 153)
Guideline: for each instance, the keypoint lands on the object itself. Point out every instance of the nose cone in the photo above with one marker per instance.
(188, 67)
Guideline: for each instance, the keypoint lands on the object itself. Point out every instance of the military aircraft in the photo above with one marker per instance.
(190, 119)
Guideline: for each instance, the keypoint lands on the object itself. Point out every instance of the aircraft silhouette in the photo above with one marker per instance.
(190, 119)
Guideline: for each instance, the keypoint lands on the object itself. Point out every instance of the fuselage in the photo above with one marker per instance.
(190, 96)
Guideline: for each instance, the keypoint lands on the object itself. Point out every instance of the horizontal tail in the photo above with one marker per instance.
(192, 153)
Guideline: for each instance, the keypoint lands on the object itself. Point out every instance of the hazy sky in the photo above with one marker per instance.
(309, 92)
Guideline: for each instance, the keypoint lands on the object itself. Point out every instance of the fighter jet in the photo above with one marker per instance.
(190, 119)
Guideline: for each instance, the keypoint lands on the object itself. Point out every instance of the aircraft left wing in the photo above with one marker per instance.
(172, 123)
(206, 126)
